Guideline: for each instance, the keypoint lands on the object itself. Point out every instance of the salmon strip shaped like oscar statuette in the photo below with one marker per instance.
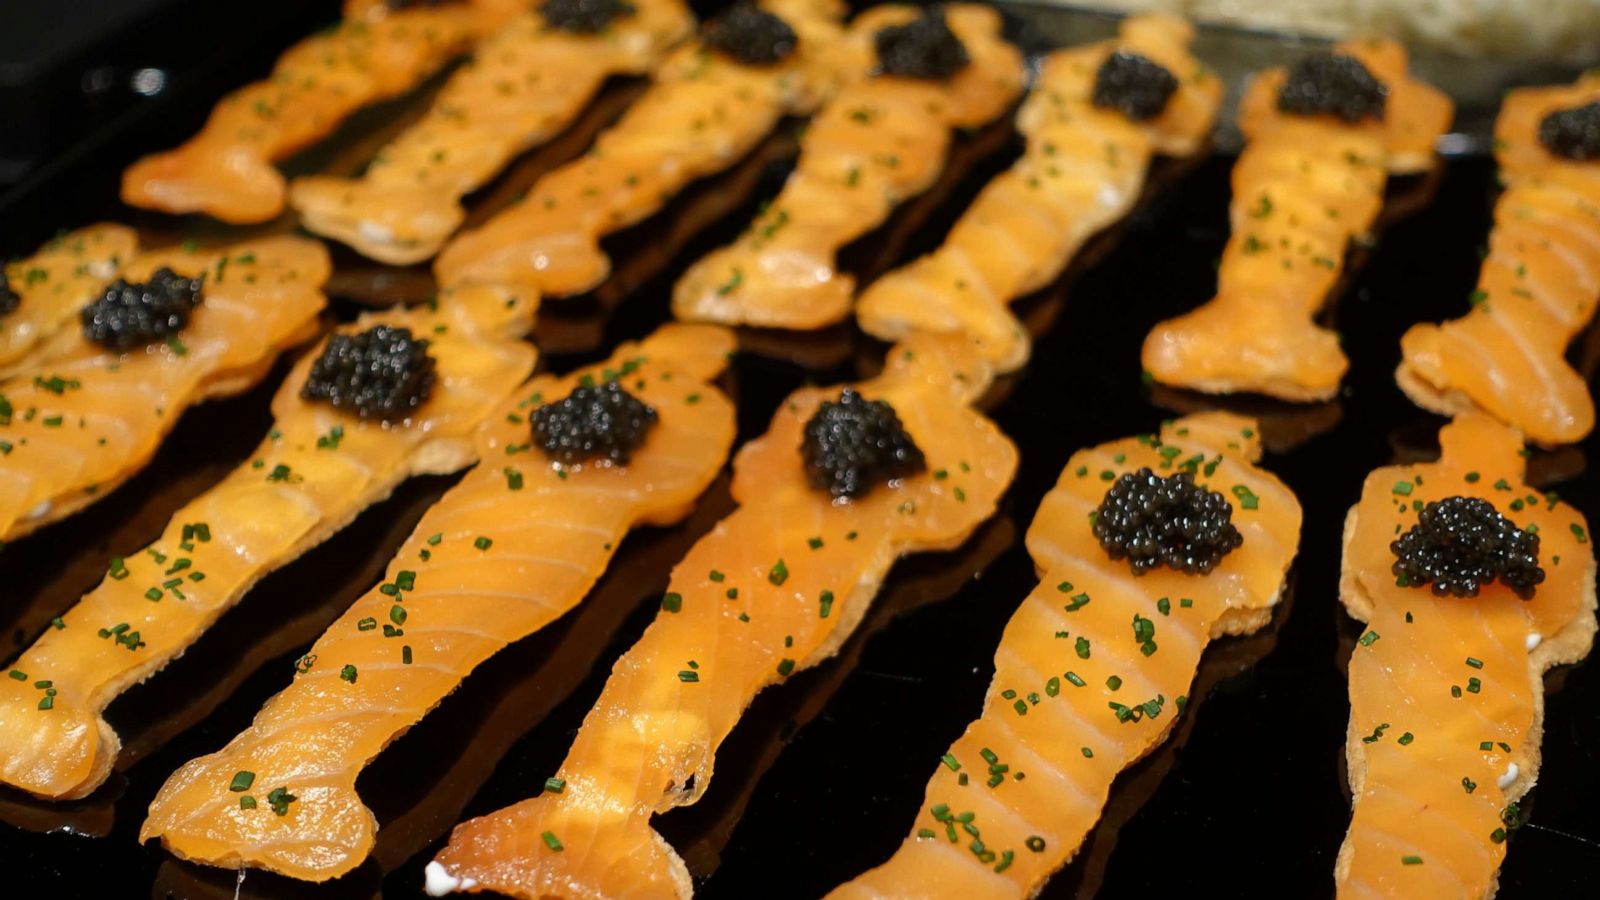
(878, 142)
(1094, 667)
(343, 439)
(523, 85)
(1539, 283)
(40, 295)
(1322, 137)
(1093, 120)
(516, 545)
(176, 328)
(226, 171)
(709, 105)
(1464, 612)
(840, 486)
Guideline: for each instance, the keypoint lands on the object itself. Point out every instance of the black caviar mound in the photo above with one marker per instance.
(925, 47)
(1460, 544)
(129, 315)
(1573, 133)
(9, 299)
(853, 444)
(584, 16)
(751, 35)
(593, 422)
(382, 373)
(1134, 85)
(1336, 83)
(1156, 520)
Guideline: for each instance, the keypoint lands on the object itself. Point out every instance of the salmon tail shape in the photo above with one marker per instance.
(704, 111)
(1307, 186)
(319, 467)
(1078, 693)
(528, 81)
(226, 171)
(96, 408)
(1447, 679)
(511, 548)
(1084, 168)
(1536, 291)
(878, 142)
(775, 587)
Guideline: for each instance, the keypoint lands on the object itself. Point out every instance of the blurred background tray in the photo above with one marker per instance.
(823, 776)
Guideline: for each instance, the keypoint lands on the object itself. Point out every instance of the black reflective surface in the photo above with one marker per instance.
(822, 777)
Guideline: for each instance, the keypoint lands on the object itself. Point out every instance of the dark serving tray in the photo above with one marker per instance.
(824, 774)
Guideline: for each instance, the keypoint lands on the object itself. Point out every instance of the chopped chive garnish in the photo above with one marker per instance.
(785, 666)
(688, 676)
(551, 841)
(555, 785)
(779, 573)
(242, 780)
(1368, 639)
(672, 602)
(348, 673)
(483, 543)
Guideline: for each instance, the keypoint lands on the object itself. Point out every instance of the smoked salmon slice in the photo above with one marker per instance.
(74, 429)
(226, 171)
(1536, 291)
(525, 84)
(878, 142)
(1321, 145)
(1083, 170)
(41, 294)
(776, 586)
(1447, 680)
(1093, 669)
(513, 547)
(319, 467)
(705, 109)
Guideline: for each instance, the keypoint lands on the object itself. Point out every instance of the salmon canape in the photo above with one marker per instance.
(524, 85)
(376, 403)
(880, 141)
(40, 295)
(842, 484)
(1148, 547)
(380, 50)
(709, 105)
(1322, 139)
(1095, 117)
(569, 467)
(1539, 283)
(1470, 585)
(178, 326)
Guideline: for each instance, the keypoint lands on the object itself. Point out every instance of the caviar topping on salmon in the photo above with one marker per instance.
(1539, 282)
(1095, 117)
(1095, 666)
(880, 141)
(1322, 139)
(319, 467)
(1469, 585)
(704, 111)
(526, 83)
(81, 423)
(42, 295)
(775, 587)
(751, 35)
(226, 171)
(514, 546)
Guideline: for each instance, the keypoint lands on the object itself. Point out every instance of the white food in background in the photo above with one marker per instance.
(1566, 30)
